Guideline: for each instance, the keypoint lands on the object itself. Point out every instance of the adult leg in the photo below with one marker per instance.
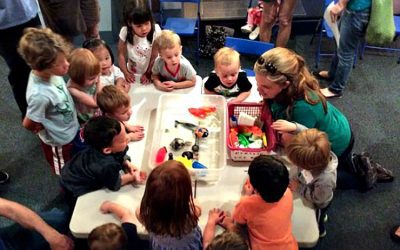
(19, 70)
(91, 14)
(268, 20)
(285, 22)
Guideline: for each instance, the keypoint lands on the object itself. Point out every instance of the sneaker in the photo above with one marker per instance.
(365, 170)
(247, 28)
(4, 177)
(253, 35)
(322, 234)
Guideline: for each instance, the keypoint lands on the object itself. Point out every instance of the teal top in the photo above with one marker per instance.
(334, 123)
(359, 5)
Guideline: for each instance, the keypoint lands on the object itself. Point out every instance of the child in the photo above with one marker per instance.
(84, 84)
(136, 42)
(99, 165)
(51, 112)
(253, 21)
(267, 206)
(168, 211)
(227, 240)
(110, 74)
(310, 150)
(227, 79)
(109, 236)
(115, 103)
(171, 69)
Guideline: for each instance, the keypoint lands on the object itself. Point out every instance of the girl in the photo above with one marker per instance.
(84, 84)
(110, 74)
(168, 211)
(136, 42)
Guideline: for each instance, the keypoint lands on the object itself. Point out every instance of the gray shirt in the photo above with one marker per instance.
(185, 72)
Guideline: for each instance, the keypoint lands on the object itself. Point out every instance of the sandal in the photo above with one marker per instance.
(329, 94)
(393, 234)
(318, 75)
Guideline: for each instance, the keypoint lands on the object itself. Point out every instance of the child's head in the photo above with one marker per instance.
(115, 103)
(227, 65)
(169, 47)
(44, 50)
(109, 236)
(269, 177)
(105, 134)
(167, 206)
(84, 67)
(228, 241)
(310, 150)
(102, 52)
(139, 21)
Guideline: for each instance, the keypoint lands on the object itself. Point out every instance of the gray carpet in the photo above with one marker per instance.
(356, 220)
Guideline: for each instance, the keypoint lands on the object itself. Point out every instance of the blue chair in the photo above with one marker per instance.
(397, 25)
(181, 25)
(248, 47)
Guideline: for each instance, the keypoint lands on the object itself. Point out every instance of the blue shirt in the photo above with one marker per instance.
(16, 12)
(359, 5)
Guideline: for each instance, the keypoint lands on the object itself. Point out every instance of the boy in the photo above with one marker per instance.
(99, 165)
(310, 150)
(115, 103)
(51, 112)
(171, 70)
(227, 79)
(267, 206)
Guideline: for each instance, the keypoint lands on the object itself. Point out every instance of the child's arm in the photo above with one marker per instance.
(184, 84)
(30, 125)
(208, 92)
(215, 216)
(289, 127)
(133, 174)
(160, 85)
(241, 97)
(123, 214)
(122, 52)
(147, 76)
(122, 84)
(82, 97)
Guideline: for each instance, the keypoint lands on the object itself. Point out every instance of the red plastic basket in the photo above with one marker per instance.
(255, 110)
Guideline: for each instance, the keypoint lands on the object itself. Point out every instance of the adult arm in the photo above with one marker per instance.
(337, 9)
(30, 220)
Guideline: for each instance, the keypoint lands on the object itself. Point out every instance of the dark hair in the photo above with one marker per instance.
(109, 236)
(94, 43)
(100, 131)
(228, 241)
(167, 206)
(137, 14)
(269, 177)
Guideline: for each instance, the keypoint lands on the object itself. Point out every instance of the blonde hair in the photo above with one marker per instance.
(109, 236)
(40, 47)
(83, 65)
(111, 98)
(310, 150)
(226, 56)
(167, 40)
(290, 67)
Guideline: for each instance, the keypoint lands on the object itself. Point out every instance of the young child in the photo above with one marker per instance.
(227, 240)
(310, 151)
(99, 165)
(136, 43)
(227, 79)
(171, 69)
(84, 71)
(115, 103)
(110, 74)
(267, 206)
(254, 15)
(51, 112)
(168, 211)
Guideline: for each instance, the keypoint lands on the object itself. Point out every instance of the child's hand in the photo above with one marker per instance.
(129, 77)
(139, 177)
(136, 128)
(247, 188)
(166, 86)
(294, 185)
(145, 78)
(227, 222)
(284, 126)
(105, 207)
(216, 216)
(136, 136)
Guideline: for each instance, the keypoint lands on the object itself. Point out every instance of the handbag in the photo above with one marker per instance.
(381, 28)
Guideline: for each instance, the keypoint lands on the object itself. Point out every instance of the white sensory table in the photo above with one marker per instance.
(224, 194)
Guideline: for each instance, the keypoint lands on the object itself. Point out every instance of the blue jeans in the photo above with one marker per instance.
(352, 26)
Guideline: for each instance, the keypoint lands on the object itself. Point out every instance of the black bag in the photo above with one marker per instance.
(214, 40)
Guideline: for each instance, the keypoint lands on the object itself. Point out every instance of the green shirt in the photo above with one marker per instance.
(334, 123)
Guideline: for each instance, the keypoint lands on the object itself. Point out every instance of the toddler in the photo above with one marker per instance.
(310, 150)
(227, 79)
(99, 165)
(267, 206)
(171, 69)
(51, 112)
(254, 15)
(110, 74)
(84, 84)
(115, 103)
(136, 43)
(168, 211)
